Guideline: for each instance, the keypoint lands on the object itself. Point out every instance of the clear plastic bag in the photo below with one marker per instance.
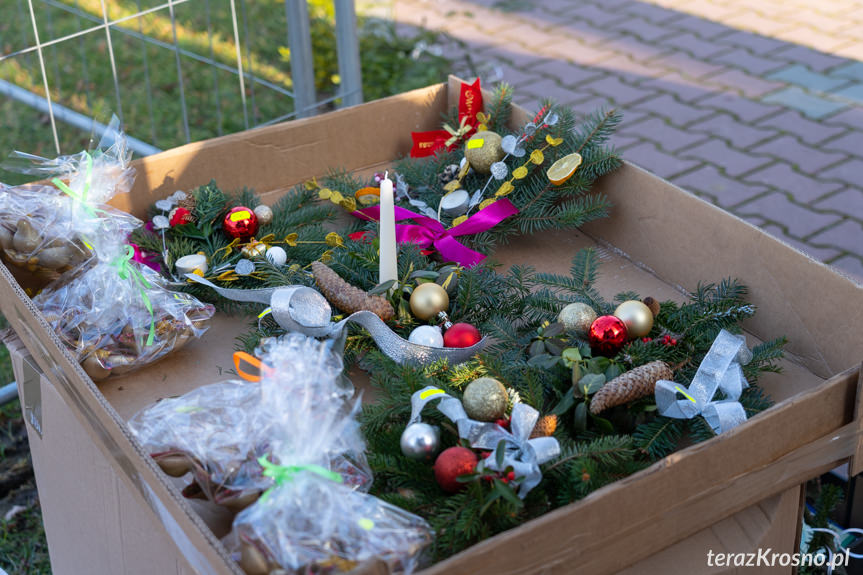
(115, 316)
(311, 521)
(49, 228)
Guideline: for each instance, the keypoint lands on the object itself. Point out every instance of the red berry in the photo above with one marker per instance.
(503, 422)
(510, 475)
(673, 341)
(646, 339)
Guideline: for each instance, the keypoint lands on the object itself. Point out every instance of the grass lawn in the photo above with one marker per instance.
(80, 77)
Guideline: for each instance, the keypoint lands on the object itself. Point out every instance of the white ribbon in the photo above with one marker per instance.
(523, 454)
(719, 370)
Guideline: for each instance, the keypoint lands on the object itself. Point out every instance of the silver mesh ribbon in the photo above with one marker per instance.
(303, 309)
(721, 369)
(449, 406)
(523, 454)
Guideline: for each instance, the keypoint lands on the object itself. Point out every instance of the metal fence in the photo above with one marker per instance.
(173, 71)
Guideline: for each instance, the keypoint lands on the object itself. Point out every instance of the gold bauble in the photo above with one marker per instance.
(637, 317)
(428, 300)
(577, 317)
(485, 399)
(482, 150)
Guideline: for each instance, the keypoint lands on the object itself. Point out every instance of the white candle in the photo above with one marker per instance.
(387, 237)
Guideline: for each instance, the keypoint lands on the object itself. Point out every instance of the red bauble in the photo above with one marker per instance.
(240, 222)
(461, 335)
(450, 464)
(607, 335)
(180, 216)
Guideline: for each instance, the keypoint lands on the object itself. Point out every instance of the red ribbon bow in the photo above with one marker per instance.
(469, 104)
(430, 232)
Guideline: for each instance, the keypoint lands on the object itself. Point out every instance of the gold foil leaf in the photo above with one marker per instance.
(553, 141)
(452, 186)
(486, 203)
(291, 239)
(537, 157)
(333, 239)
(349, 204)
(325, 193)
(520, 172)
(459, 220)
(504, 189)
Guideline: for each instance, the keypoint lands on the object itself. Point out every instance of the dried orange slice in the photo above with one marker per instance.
(563, 169)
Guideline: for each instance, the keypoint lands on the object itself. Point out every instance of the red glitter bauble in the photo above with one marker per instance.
(180, 216)
(461, 335)
(450, 464)
(240, 222)
(607, 335)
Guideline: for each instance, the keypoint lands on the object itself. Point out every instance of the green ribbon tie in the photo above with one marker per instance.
(82, 197)
(281, 474)
(128, 271)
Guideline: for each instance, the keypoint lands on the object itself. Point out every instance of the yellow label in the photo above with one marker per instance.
(475, 143)
(241, 215)
(366, 524)
(430, 392)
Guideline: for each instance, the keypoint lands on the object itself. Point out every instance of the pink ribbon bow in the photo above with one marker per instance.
(430, 232)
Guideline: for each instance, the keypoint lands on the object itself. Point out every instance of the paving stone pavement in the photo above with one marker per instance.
(754, 106)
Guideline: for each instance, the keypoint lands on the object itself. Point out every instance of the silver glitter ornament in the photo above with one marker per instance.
(577, 317)
(420, 441)
(264, 214)
(485, 399)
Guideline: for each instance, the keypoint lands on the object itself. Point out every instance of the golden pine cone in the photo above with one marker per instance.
(188, 202)
(348, 298)
(545, 427)
(634, 384)
(651, 303)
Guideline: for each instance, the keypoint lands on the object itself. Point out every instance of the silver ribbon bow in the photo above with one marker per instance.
(449, 406)
(719, 370)
(303, 309)
(521, 453)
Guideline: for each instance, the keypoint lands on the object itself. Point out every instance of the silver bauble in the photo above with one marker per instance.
(577, 317)
(485, 399)
(420, 441)
(264, 214)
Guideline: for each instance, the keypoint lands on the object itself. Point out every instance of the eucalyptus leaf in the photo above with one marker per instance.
(426, 274)
(500, 453)
(580, 417)
(612, 371)
(571, 354)
(382, 288)
(543, 361)
(507, 493)
(591, 383)
(536, 348)
(566, 402)
(554, 346)
(553, 329)
(603, 424)
(598, 364)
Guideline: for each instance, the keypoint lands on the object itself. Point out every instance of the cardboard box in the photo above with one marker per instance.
(658, 241)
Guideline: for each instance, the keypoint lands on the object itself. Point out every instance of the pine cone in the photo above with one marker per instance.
(634, 384)
(348, 298)
(652, 304)
(544, 427)
(189, 202)
(449, 174)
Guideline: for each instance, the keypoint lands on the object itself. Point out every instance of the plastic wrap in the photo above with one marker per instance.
(46, 227)
(311, 521)
(112, 313)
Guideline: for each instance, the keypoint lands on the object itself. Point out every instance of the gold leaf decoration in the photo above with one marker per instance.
(553, 141)
(291, 239)
(520, 172)
(504, 189)
(537, 157)
(334, 240)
